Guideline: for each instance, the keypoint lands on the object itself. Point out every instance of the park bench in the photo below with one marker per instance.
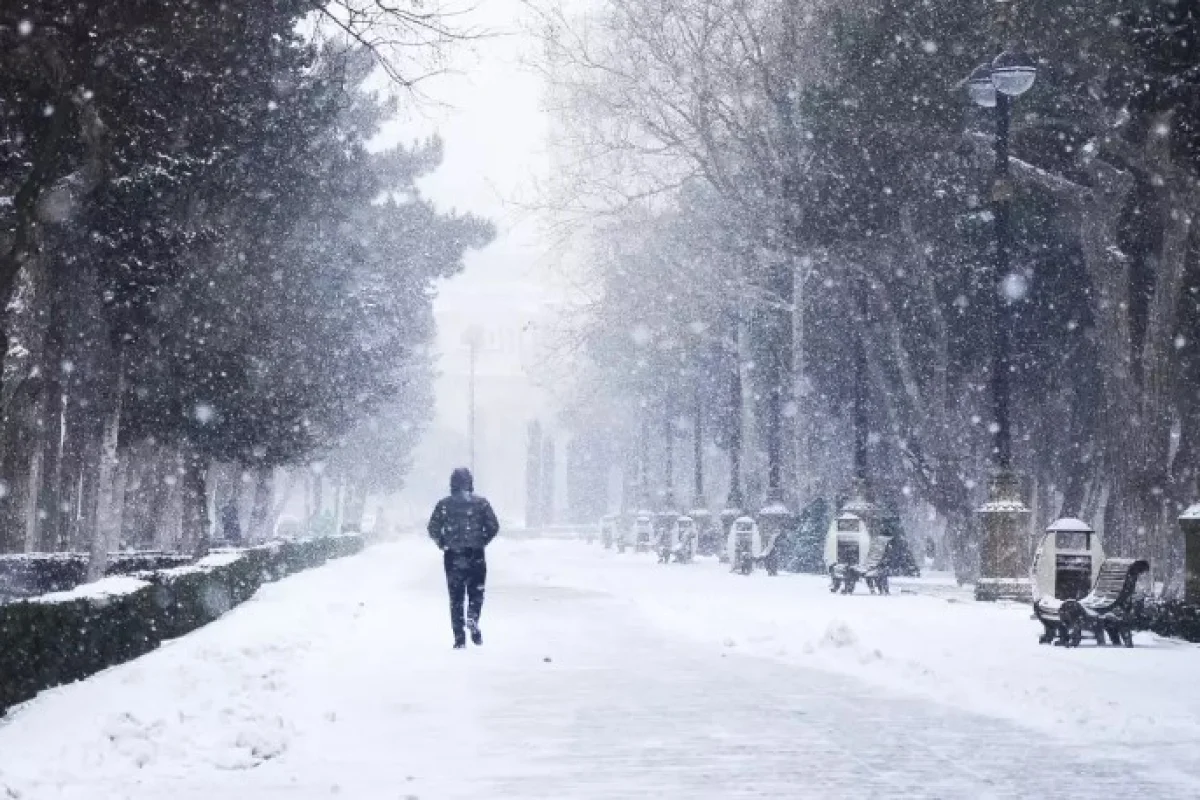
(1106, 612)
(872, 570)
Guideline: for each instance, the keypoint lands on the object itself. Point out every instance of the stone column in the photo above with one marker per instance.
(1189, 522)
(1004, 552)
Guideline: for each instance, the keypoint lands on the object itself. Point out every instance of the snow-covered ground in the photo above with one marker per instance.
(607, 676)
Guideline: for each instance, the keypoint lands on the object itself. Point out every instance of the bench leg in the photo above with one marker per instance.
(1074, 635)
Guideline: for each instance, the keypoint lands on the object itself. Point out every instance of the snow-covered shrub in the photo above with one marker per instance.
(31, 574)
(1173, 618)
(62, 637)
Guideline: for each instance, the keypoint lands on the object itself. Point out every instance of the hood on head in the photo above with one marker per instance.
(461, 481)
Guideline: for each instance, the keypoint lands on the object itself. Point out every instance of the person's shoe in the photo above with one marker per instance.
(476, 635)
(460, 641)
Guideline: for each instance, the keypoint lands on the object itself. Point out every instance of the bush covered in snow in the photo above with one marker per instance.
(30, 574)
(1173, 618)
(58, 638)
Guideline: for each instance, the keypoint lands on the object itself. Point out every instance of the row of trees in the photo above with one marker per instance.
(204, 261)
(756, 160)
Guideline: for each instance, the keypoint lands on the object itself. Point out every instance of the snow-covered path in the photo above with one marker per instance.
(340, 683)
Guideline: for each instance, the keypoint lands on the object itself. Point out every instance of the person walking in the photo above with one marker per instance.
(462, 525)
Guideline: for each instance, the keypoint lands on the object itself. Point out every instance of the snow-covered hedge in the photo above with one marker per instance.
(1172, 618)
(57, 638)
(30, 574)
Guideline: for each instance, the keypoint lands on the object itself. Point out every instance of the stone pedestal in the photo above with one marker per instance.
(1004, 551)
(708, 541)
(774, 523)
(1189, 522)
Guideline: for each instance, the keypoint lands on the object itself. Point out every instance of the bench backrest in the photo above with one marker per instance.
(1116, 582)
(877, 551)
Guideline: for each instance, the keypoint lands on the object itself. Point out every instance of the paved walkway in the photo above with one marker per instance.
(341, 684)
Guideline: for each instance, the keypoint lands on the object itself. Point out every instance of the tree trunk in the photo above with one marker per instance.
(169, 528)
(18, 479)
(72, 472)
(110, 488)
(196, 521)
(356, 506)
(962, 543)
(32, 511)
(339, 504)
(289, 483)
(260, 509)
(53, 517)
(88, 491)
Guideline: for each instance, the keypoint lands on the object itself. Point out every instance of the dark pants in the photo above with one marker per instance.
(466, 573)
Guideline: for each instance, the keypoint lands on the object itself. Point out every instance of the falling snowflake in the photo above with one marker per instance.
(204, 413)
(1014, 287)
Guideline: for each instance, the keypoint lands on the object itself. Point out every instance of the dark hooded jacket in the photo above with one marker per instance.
(464, 520)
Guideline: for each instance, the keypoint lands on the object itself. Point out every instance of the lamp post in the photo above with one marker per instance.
(668, 512)
(1003, 554)
(734, 501)
(699, 512)
(860, 503)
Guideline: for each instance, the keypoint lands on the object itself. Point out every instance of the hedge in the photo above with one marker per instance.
(30, 574)
(52, 640)
(1172, 618)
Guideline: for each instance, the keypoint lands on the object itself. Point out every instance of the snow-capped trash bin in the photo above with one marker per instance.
(643, 532)
(744, 545)
(847, 541)
(684, 540)
(1067, 560)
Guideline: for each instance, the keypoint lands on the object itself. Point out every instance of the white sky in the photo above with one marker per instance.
(488, 113)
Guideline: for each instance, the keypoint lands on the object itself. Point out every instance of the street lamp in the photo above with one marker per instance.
(735, 500)
(859, 502)
(1003, 555)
